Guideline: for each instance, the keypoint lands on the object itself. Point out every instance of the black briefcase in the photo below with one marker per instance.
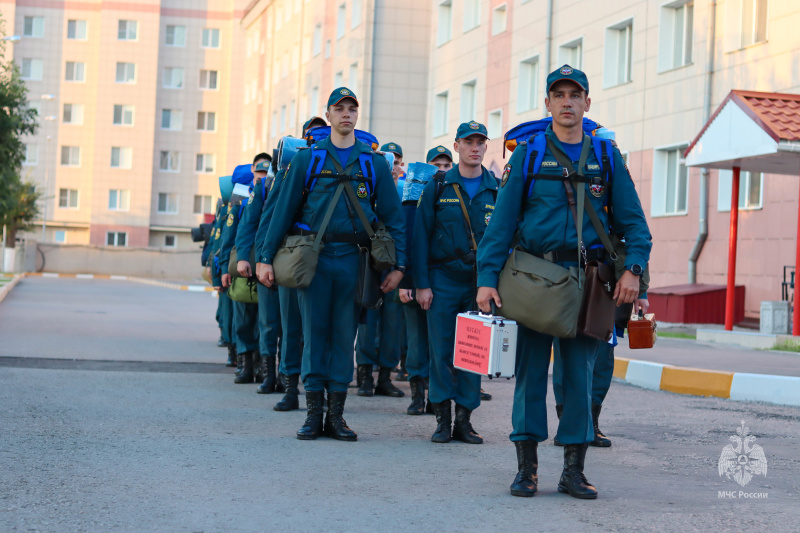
(368, 290)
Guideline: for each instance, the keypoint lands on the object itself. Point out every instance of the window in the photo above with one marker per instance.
(355, 14)
(352, 80)
(168, 203)
(675, 35)
(170, 241)
(327, 49)
(70, 156)
(495, 124)
(441, 117)
(283, 119)
(75, 71)
(33, 27)
(61, 236)
(619, 47)
(206, 121)
(126, 30)
(32, 69)
(123, 115)
(670, 182)
(341, 13)
(119, 200)
(292, 119)
(274, 125)
(338, 79)
(176, 36)
(205, 162)
(444, 30)
(73, 114)
(68, 198)
(171, 119)
(499, 19)
(314, 101)
(571, 54)
(173, 78)
(472, 14)
(36, 106)
(76, 29)
(210, 38)
(208, 79)
(121, 157)
(31, 154)
(169, 161)
(202, 204)
(746, 23)
(126, 73)
(528, 89)
(116, 238)
(317, 40)
(468, 101)
(751, 186)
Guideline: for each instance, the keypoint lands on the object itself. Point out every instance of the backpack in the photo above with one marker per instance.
(318, 156)
(314, 135)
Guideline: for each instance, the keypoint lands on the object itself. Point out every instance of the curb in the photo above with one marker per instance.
(10, 285)
(739, 386)
(174, 286)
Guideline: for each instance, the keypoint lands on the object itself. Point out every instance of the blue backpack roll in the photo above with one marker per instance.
(419, 174)
(314, 135)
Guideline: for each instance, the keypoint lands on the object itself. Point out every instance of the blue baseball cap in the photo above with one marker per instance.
(342, 93)
(570, 74)
(262, 166)
(433, 153)
(468, 129)
(392, 147)
(314, 120)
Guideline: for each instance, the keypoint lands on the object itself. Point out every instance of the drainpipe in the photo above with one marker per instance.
(548, 44)
(702, 234)
(371, 122)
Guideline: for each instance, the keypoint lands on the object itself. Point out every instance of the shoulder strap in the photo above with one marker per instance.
(472, 244)
(366, 162)
(536, 149)
(351, 194)
(604, 152)
(328, 214)
(439, 179)
(318, 157)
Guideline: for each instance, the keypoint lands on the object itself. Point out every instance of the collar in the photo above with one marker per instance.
(358, 148)
(552, 136)
(487, 181)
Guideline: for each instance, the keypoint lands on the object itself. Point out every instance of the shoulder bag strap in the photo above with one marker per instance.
(328, 214)
(472, 244)
(351, 194)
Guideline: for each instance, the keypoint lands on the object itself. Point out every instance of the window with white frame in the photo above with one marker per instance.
(571, 53)
(173, 78)
(676, 35)
(352, 77)
(171, 119)
(274, 124)
(619, 49)
(36, 106)
(313, 104)
(338, 79)
(670, 182)
(126, 73)
(206, 121)
(75, 71)
(33, 27)
(444, 29)
(202, 204)
(528, 85)
(126, 30)
(123, 115)
(31, 154)
(170, 241)
(119, 200)
(76, 30)
(175, 35)
(60, 236)
(32, 69)
(472, 14)
(317, 40)
(210, 38)
(469, 101)
(208, 79)
(205, 163)
(499, 19)
(169, 161)
(72, 114)
(494, 125)
(355, 13)
(70, 156)
(751, 190)
(341, 15)
(441, 111)
(168, 203)
(746, 23)
(327, 49)
(68, 198)
(283, 119)
(121, 157)
(116, 238)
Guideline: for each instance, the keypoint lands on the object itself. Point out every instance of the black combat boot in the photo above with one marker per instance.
(527, 479)
(428, 405)
(335, 425)
(247, 373)
(289, 402)
(559, 411)
(444, 421)
(268, 371)
(417, 406)
(573, 482)
(312, 428)
(600, 440)
(462, 429)
(366, 384)
(385, 387)
(231, 355)
(280, 385)
(402, 375)
(485, 396)
(221, 342)
(258, 370)
(239, 363)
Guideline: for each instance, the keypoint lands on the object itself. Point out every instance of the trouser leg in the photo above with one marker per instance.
(226, 317)
(269, 321)
(344, 314)
(417, 362)
(558, 373)
(529, 410)
(578, 355)
(292, 331)
(603, 372)
(366, 348)
(392, 327)
(246, 324)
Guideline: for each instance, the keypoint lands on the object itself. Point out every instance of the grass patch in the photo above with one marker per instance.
(787, 346)
(676, 335)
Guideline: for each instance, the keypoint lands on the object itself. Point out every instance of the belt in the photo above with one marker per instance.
(359, 239)
(568, 255)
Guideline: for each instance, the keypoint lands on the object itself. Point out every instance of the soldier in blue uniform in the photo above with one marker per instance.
(445, 244)
(544, 224)
(328, 306)
(224, 304)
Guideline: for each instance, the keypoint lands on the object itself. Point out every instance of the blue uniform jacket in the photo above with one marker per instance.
(266, 214)
(229, 230)
(216, 241)
(290, 198)
(440, 229)
(544, 219)
(248, 225)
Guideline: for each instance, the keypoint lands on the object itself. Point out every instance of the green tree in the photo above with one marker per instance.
(18, 197)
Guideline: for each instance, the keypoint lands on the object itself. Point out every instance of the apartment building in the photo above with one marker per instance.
(650, 64)
(140, 113)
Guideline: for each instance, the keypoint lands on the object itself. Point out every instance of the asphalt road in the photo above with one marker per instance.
(111, 445)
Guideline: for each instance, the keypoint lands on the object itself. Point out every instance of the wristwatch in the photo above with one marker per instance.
(400, 269)
(635, 269)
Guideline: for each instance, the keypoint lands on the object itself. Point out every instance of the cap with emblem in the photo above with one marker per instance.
(340, 94)
(433, 153)
(315, 121)
(570, 74)
(467, 129)
(394, 148)
(262, 166)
